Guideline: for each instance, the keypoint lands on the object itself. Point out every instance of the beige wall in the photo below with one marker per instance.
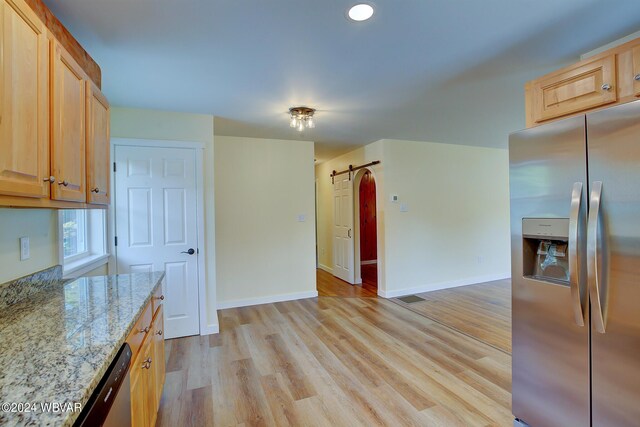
(41, 226)
(264, 252)
(456, 229)
(164, 125)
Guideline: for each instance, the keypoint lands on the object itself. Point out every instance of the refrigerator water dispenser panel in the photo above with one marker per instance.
(545, 249)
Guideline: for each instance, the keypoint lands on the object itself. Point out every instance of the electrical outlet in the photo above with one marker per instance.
(24, 249)
(302, 218)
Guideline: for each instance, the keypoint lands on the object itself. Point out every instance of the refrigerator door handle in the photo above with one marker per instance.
(574, 269)
(593, 253)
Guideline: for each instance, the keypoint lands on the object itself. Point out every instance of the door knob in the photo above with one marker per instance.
(95, 190)
(50, 179)
(65, 183)
(606, 86)
(191, 251)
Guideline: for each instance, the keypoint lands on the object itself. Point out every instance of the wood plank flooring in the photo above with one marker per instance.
(482, 311)
(334, 362)
(330, 286)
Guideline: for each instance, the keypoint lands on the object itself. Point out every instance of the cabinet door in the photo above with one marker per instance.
(158, 356)
(635, 54)
(577, 88)
(98, 154)
(140, 376)
(68, 139)
(24, 101)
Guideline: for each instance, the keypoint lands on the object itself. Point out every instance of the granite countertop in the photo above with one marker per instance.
(57, 344)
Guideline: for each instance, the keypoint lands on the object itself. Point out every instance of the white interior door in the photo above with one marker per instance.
(343, 228)
(156, 228)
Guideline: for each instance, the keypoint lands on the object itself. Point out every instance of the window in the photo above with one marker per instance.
(82, 240)
(74, 232)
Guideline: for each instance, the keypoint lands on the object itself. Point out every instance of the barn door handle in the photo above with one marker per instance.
(191, 251)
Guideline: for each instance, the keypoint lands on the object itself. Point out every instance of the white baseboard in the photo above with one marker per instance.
(212, 328)
(371, 261)
(266, 300)
(325, 268)
(394, 293)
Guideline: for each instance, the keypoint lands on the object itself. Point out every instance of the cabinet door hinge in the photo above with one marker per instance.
(114, 166)
(116, 240)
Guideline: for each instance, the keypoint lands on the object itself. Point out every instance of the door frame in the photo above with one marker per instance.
(356, 224)
(198, 148)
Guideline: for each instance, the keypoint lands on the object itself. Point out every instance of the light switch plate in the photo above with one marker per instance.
(394, 198)
(24, 249)
(302, 218)
(404, 207)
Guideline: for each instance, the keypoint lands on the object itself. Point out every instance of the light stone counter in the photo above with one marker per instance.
(56, 345)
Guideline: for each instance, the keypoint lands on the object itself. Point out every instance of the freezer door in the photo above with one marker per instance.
(550, 350)
(614, 161)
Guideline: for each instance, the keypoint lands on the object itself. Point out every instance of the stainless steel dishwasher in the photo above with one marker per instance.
(110, 403)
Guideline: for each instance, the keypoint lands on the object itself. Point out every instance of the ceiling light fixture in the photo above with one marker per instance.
(302, 118)
(360, 12)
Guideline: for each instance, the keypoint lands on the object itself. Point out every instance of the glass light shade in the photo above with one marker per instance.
(310, 123)
(361, 12)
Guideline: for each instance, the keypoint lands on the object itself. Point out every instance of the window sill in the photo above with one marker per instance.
(84, 265)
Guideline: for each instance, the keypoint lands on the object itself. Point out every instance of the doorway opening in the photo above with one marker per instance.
(366, 244)
(348, 277)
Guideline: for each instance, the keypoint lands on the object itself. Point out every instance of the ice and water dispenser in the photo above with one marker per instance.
(546, 249)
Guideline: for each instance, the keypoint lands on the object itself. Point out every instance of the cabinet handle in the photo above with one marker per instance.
(146, 364)
(606, 86)
(145, 330)
(636, 77)
(161, 297)
(159, 332)
(95, 190)
(50, 179)
(65, 183)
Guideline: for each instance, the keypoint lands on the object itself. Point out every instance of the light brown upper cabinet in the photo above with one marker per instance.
(635, 54)
(578, 88)
(608, 78)
(98, 161)
(24, 102)
(68, 158)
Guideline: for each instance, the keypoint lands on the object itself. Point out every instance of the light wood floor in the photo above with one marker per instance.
(330, 286)
(482, 311)
(334, 362)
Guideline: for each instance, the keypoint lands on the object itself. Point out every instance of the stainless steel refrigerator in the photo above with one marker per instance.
(575, 241)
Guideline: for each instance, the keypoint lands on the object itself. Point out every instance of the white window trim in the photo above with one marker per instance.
(96, 254)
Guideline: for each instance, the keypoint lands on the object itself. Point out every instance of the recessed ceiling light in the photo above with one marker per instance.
(361, 12)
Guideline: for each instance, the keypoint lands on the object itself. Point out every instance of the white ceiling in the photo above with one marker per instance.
(431, 70)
